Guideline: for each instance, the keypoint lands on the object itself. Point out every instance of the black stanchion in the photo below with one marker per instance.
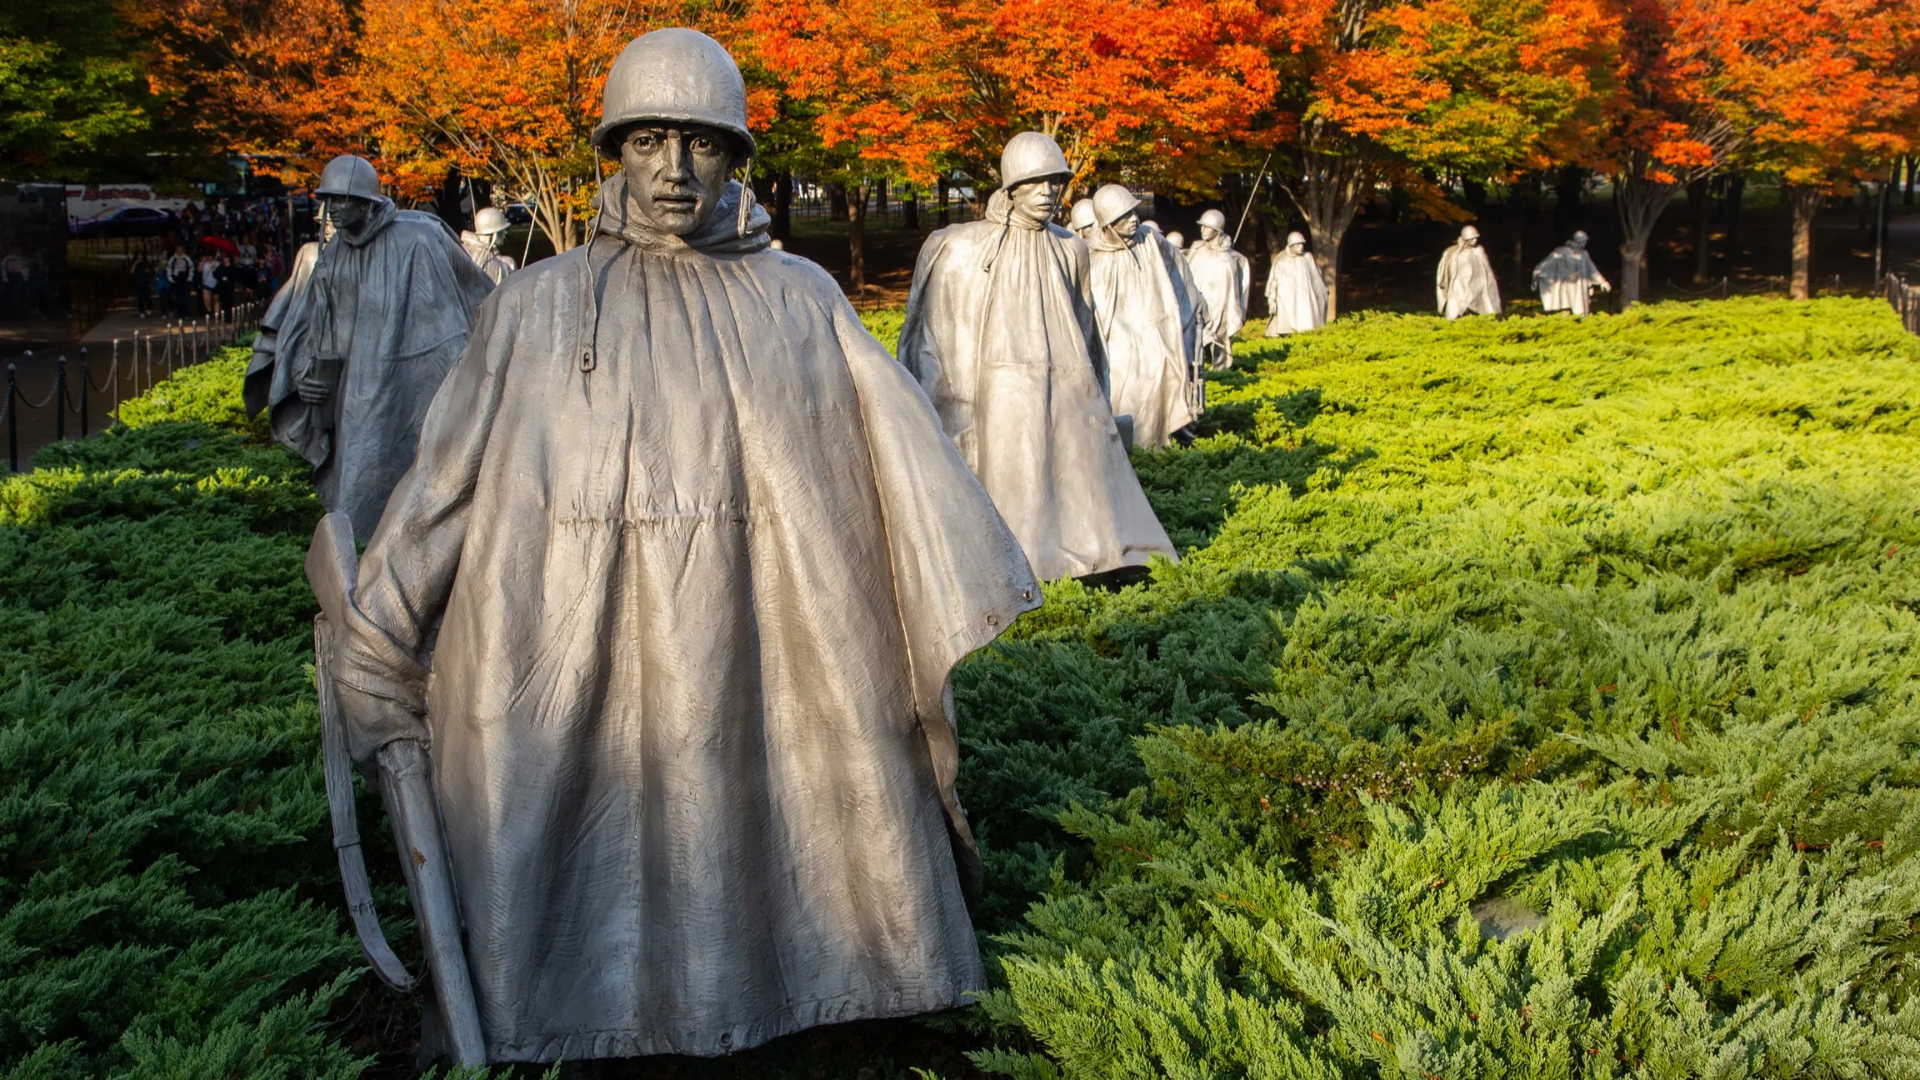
(60, 399)
(13, 422)
(86, 383)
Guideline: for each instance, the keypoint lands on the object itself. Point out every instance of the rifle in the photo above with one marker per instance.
(405, 779)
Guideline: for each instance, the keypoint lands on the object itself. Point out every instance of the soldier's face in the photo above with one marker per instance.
(1127, 224)
(675, 174)
(1208, 232)
(1036, 200)
(347, 214)
(1298, 247)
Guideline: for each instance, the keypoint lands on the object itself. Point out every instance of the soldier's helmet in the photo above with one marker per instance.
(349, 175)
(1031, 156)
(677, 75)
(1215, 220)
(1082, 216)
(489, 221)
(1295, 238)
(1113, 202)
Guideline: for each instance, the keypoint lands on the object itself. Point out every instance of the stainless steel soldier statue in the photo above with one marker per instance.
(670, 597)
(347, 370)
(1000, 334)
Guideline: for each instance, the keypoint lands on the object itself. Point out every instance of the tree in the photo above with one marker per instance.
(70, 92)
(1842, 95)
(1177, 91)
(903, 91)
(253, 75)
(503, 90)
(1480, 88)
(882, 83)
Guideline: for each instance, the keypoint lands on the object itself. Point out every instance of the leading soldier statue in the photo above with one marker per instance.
(347, 368)
(689, 560)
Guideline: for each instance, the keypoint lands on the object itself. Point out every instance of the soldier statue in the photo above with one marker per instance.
(1296, 293)
(483, 244)
(1223, 276)
(1567, 279)
(347, 370)
(669, 599)
(1000, 333)
(1465, 283)
(1080, 219)
(1150, 318)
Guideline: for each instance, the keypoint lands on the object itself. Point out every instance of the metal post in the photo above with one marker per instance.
(60, 399)
(86, 384)
(13, 422)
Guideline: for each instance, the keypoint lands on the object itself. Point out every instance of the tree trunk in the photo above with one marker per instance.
(942, 216)
(1335, 184)
(1701, 205)
(1736, 188)
(910, 210)
(1640, 202)
(1913, 163)
(1519, 203)
(836, 202)
(1566, 199)
(856, 201)
(782, 228)
(880, 198)
(1806, 203)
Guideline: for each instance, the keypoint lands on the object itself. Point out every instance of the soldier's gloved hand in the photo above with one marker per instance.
(313, 391)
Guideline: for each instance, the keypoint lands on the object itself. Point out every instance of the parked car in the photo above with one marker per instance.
(125, 221)
(518, 213)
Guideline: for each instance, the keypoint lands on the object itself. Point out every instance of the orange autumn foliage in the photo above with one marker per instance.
(505, 90)
(252, 76)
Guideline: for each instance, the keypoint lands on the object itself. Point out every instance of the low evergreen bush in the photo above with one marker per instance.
(1535, 698)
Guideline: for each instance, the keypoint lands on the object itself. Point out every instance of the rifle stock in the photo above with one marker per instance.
(405, 777)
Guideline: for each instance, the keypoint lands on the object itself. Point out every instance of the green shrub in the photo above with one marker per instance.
(1603, 630)
(207, 393)
(1534, 698)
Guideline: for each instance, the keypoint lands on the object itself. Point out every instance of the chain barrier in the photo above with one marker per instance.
(182, 344)
(1723, 288)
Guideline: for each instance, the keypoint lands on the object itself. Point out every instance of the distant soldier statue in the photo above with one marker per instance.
(483, 244)
(1000, 333)
(266, 343)
(689, 559)
(348, 369)
(1567, 279)
(1177, 241)
(1465, 283)
(1296, 292)
(1080, 220)
(1223, 276)
(1150, 319)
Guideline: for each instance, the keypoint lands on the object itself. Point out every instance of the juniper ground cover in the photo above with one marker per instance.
(1535, 699)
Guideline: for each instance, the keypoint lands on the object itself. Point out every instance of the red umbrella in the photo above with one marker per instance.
(219, 243)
